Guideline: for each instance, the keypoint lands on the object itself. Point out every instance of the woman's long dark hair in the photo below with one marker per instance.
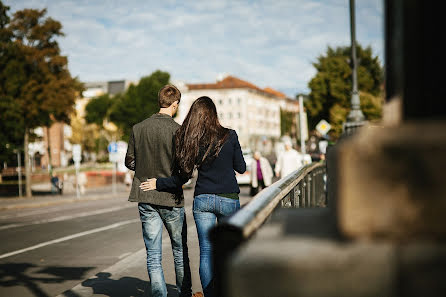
(201, 137)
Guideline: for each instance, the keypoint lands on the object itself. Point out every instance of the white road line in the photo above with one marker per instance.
(116, 225)
(68, 217)
(46, 210)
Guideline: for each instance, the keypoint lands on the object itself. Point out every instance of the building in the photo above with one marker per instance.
(57, 136)
(253, 112)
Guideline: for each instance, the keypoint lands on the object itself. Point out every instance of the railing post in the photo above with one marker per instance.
(292, 198)
(299, 196)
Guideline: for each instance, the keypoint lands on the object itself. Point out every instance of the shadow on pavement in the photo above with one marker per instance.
(123, 287)
(20, 275)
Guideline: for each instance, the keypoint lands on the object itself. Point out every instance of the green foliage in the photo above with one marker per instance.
(97, 108)
(34, 74)
(331, 87)
(286, 122)
(138, 103)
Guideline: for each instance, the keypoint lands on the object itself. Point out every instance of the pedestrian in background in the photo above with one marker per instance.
(55, 184)
(151, 153)
(288, 161)
(203, 143)
(261, 173)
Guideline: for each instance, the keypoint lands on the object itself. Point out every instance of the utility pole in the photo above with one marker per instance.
(301, 125)
(355, 118)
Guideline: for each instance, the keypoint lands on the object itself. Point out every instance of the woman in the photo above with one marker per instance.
(215, 151)
(261, 173)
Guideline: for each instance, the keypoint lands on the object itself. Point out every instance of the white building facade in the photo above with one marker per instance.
(252, 112)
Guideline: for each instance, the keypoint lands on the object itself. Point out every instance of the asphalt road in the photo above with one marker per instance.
(47, 250)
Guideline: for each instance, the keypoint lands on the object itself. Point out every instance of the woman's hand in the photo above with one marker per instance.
(148, 185)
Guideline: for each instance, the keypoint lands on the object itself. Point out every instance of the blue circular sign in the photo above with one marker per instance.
(112, 147)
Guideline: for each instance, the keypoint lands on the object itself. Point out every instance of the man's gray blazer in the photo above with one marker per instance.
(150, 154)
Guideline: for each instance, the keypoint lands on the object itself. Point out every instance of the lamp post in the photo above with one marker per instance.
(355, 118)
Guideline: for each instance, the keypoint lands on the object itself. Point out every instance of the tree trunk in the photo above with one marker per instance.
(27, 164)
(50, 165)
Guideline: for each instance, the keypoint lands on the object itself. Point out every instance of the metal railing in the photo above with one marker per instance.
(303, 188)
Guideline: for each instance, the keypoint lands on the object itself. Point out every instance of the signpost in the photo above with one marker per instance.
(77, 157)
(19, 171)
(303, 127)
(113, 157)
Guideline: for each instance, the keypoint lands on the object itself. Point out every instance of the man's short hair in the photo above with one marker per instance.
(168, 95)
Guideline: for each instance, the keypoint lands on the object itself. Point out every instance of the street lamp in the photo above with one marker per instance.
(355, 118)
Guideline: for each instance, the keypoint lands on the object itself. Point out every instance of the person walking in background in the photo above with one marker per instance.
(215, 150)
(261, 173)
(82, 181)
(151, 153)
(288, 161)
(55, 184)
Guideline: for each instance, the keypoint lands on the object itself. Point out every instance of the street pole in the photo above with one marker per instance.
(114, 177)
(77, 165)
(355, 117)
(301, 125)
(19, 171)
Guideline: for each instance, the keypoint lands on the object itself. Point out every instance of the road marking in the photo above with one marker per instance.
(47, 209)
(68, 217)
(65, 238)
(124, 255)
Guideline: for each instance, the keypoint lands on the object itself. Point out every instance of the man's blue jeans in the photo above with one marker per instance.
(208, 209)
(152, 218)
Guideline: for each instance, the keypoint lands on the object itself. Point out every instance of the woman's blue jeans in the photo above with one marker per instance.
(208, 209)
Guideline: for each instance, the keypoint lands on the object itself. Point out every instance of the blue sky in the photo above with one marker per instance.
(267, 42)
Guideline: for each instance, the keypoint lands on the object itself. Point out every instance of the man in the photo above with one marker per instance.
(151, 154)
(288, 161)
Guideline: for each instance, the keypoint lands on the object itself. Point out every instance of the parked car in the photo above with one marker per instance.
(245, 178)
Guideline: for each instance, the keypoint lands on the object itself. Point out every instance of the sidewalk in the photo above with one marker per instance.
(39, 200)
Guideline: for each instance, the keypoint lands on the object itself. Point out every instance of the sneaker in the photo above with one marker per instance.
(198, 294)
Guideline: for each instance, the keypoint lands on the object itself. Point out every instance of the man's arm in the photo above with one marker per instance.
(130, 155)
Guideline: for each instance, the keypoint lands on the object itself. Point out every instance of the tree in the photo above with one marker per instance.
(286, 122)
(96, 110)
(331, 87)
(139, 102)
(35, 75)
(12, 132)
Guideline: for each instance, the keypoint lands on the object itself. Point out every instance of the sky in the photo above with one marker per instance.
(270, 43)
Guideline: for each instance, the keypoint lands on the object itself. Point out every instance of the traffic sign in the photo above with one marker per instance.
(112, 147)
(323, 127)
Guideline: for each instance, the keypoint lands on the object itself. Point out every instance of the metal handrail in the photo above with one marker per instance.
(298, 189)
(252, 216)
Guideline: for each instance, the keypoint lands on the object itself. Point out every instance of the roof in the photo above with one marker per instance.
(232, 82)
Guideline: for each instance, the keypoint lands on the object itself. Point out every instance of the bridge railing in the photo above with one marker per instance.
(302, 188)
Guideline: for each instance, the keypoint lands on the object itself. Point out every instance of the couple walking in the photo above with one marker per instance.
(163, 155)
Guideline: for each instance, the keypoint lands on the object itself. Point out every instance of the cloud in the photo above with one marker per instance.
(267, 42)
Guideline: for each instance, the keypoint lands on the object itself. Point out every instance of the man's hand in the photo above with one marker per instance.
(148, 185)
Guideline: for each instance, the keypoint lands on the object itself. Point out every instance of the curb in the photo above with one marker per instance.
(116, 271)
(57, 202)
